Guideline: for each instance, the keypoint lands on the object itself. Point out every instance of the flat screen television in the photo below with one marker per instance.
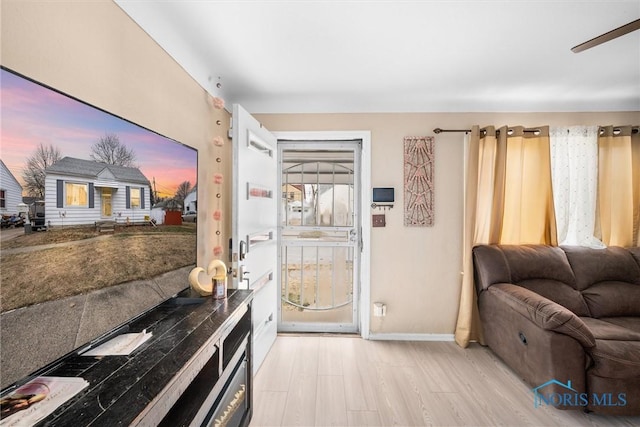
(98, 222)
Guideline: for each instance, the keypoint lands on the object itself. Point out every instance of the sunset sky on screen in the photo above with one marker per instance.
(32, 114)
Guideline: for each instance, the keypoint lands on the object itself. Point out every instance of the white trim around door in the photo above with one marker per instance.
(365, 179)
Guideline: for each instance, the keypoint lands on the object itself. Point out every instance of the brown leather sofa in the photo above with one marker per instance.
(567, 320)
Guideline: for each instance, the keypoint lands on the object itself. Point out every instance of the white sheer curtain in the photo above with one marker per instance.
(574, 175)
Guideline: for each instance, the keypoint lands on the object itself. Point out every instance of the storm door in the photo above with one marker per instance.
(319, 228)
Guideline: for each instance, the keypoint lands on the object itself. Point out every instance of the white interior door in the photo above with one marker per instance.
(254, 250)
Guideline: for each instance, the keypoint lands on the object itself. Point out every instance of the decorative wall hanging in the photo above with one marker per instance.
(418, 181)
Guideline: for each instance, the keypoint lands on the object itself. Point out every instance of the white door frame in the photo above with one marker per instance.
(365, 195)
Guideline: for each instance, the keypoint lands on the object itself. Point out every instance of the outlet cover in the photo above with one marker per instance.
(378, 221)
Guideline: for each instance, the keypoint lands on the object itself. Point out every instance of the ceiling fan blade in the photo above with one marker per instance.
(620, 31)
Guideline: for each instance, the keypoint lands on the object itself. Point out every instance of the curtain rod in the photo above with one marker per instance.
(438, 130)
(634, 129)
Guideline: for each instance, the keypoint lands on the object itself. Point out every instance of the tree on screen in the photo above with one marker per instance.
(181, 193)
(110, 150)
(33, 173)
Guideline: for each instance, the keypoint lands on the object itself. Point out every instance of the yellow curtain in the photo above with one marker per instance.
(528, 213)
(618, 186)
(467, 325)
(489, 157)
(508, 199)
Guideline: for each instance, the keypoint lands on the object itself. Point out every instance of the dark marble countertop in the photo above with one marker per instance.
(121, 387)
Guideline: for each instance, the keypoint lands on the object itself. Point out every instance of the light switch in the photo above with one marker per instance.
(378, 221)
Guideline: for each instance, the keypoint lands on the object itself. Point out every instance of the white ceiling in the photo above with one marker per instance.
(401, 56)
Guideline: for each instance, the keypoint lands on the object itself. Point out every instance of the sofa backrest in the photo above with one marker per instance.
(542, 269)
(609, 279)
(589, 282)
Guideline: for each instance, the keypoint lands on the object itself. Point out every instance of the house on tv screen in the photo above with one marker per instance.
(82, 192)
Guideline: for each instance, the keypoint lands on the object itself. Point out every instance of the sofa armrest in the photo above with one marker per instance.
(545, 313)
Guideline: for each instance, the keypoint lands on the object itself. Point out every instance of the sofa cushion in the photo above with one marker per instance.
(591, 266)
(609, 280)
(516, 263)
(629, 322)
(605, 330)
(613, 298)
(528, 262)
(615, 359)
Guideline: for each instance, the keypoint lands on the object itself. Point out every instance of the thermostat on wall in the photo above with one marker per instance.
(383, 195)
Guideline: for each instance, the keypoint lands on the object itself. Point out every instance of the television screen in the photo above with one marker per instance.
(98, 222)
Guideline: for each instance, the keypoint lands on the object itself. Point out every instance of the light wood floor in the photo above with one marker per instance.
(314, 380)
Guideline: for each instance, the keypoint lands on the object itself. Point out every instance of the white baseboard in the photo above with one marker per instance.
(410, 337)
